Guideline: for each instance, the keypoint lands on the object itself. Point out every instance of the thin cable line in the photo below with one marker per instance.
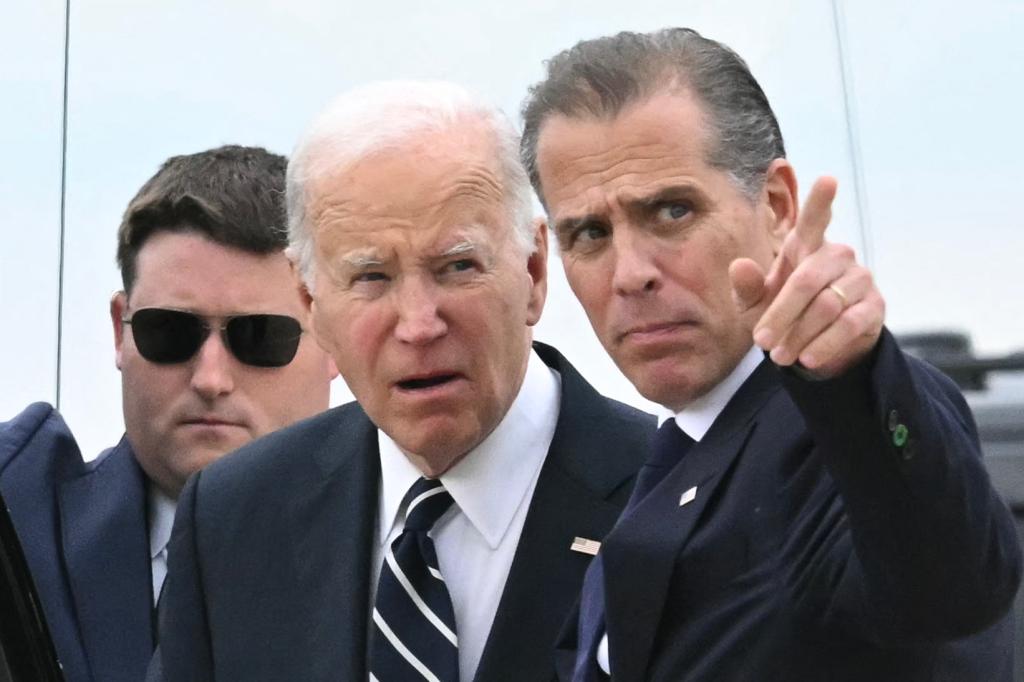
(63, 198)
(853, 140)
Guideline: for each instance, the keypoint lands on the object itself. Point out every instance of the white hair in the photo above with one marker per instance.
(382, 115)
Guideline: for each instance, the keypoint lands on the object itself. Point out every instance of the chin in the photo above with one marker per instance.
(440, 448)
(445, 446)
(669, 389)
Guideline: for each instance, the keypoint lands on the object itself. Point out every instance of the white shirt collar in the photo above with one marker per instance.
(696, 418)
(161, 520)
(492, 481)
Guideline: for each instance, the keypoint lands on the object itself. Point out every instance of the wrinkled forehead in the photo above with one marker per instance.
(415, 247)
(647, 139)
(450, 182)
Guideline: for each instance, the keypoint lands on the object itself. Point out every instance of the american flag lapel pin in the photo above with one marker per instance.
(585, 546)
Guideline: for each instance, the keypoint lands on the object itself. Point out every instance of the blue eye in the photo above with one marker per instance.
(586, 237)
(592, 233)
(459, 266)
(673, 211)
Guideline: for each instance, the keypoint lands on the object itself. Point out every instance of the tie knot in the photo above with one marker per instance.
(426, 502)
(669, 446)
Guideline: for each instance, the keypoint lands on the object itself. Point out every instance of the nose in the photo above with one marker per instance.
(419, 318)
(212, 368)
(636, 271)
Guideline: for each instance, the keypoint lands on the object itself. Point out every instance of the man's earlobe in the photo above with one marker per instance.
(780, 195)
(118, 311)
(332, 366)
(537, 266)
(306, 295)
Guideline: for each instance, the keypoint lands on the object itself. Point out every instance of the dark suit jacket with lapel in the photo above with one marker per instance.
(818, 547)
(271, 549)
(84, 531)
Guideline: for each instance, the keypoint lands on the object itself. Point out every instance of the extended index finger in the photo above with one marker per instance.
(816, 215)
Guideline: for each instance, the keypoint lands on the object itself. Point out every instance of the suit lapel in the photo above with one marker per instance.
(106, 551)
(334, 517)
(643, 548)
(641, 552)
(573, 497)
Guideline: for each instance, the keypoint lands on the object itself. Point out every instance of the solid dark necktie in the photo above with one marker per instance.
(667, 449)
(413, 620)
(156, 611)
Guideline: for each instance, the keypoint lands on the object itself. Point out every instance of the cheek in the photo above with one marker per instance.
(149, 391)
(334, 325)
(706, 266)
(354, 337)
(586, 283)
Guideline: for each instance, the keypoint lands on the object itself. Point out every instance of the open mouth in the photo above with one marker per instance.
(426, 382)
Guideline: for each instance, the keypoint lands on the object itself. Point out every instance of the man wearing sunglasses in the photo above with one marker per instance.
(441, 527)
(212, 339)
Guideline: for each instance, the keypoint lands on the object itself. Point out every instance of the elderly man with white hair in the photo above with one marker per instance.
(440, 527)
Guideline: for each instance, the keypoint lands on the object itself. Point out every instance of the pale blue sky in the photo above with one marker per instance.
(937, 101)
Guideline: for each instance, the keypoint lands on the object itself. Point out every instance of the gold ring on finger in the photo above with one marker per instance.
(839, 292)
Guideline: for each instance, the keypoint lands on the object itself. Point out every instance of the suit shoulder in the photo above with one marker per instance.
(37, 442)
(278, 453)
(582, 398)
(113, 464)
(630, 415)
(583, 407)
(599, 442)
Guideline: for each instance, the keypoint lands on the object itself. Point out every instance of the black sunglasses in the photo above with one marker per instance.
(168, 336)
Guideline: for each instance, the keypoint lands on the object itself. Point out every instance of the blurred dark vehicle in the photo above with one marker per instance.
(26, 650)
(994, 388)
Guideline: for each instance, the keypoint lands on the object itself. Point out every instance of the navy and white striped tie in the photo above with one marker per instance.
(413, 620)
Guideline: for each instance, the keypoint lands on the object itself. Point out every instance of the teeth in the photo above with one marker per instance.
(425, 383)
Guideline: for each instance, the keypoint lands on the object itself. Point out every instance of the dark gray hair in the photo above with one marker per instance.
(600, 77)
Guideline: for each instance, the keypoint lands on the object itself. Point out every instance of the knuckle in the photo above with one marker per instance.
(862, 277)
(851, 323)
(845, 252)
(805, 282)
(830, 304)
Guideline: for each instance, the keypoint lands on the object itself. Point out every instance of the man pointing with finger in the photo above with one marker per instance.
(814, 506)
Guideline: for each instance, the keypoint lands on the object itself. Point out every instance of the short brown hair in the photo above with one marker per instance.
(231, 195)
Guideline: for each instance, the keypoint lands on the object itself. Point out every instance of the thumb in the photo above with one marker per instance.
(748, 286)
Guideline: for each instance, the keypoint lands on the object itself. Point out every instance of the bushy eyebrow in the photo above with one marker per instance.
(665, 195)
(462, 247)
(634, 204)
(363, 258)
(567, 226)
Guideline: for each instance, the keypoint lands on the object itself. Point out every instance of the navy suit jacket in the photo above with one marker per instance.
(271, 550)
(84, 532)
(821, 545)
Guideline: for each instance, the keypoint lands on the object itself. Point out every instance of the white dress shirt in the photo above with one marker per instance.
(492, 487)
(695, 421)
(161, 520)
